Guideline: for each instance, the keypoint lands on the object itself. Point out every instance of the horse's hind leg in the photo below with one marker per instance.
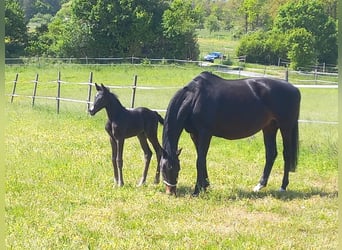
(270, 134)
(147, 156)
(158, 149)
(288, 156)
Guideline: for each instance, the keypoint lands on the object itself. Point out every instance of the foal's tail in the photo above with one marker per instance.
(295, 147)
(160, 118)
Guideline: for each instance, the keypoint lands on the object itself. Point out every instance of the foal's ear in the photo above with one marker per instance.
(179, 151)
(98, 88)
(104, 88)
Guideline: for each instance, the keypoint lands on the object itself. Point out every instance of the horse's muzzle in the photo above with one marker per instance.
(91, 111)
(170, 190)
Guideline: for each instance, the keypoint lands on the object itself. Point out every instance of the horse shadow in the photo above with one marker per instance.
(241, 194)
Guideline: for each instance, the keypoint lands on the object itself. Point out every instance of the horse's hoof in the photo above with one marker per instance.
(156, 181)
(195, 194)
(196, 191)
(282, 189)
(141, 182)
(258, 187)
(171, 190)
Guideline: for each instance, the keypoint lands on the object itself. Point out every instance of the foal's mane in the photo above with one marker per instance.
(114, 97)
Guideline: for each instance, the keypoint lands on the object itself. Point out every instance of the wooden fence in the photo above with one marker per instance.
(58, 98)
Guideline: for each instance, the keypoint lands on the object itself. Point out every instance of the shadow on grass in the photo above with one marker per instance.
(240, 194)
(285, 196)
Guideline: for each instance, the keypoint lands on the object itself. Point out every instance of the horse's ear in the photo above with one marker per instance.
(98, 88)
(179, 151)
(104, 88)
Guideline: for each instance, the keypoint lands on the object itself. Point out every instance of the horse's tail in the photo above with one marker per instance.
(160, 118)
(295, 147)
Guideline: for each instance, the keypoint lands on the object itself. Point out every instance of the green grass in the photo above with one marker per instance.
(59, 191)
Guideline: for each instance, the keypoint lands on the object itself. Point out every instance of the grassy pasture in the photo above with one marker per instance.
(59, 192)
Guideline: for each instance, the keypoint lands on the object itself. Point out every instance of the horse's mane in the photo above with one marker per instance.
(115, 98)
(177, 112)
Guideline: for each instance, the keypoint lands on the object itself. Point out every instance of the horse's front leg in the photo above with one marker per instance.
(202, 143)
(113, 144)
(114, 155)
(119, 160)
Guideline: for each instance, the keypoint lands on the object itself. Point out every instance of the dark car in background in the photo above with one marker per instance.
(212, 56)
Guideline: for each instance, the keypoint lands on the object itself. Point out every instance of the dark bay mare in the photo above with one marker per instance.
(124, 123)
(232, 109)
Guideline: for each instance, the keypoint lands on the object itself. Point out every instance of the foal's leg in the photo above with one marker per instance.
(119, 161)
(202, 143)
(114, 155)
(147, 156)
(158, 149)
(114, 151)
(270, 134)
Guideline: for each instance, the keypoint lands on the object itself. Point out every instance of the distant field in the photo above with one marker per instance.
(59, 192)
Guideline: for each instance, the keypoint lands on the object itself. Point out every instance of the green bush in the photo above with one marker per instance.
(301, 51)
(263, 47)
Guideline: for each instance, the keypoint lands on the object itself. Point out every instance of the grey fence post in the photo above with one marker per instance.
(287, 73)
(34, 90)
(90, 85)
(14, 86)
(58, 91)
(134, 87)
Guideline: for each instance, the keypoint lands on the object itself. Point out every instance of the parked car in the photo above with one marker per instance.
(212, 56)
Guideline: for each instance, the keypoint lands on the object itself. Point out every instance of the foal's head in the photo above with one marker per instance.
(101, 99)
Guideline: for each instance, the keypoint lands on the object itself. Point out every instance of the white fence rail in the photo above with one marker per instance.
(134, 86)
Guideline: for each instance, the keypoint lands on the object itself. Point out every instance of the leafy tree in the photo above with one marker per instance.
(263, 47)
(253, 47)
(179, 23)
(300, 53)
(212, 23)
(106, 28)
(15, 29)
(251, 11)
(103, 28)
(33, 7)
(311, 16)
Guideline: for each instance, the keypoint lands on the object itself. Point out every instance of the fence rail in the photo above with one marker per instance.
(133, 87)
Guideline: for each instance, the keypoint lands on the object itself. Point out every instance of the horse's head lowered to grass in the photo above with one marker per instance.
(170, 168)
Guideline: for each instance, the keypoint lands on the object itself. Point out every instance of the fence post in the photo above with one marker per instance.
(133, 90)
(14, 86)
(58, 90)
(316, 74)
(34, 90)
(90, 85)
(287, 73)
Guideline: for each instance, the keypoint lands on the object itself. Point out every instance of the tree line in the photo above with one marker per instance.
(303, 31)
